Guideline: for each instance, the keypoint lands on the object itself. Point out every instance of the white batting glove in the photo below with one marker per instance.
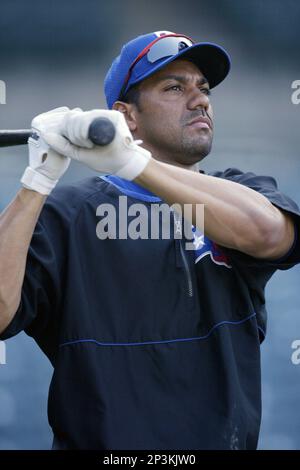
(45, 165)
(122, 157)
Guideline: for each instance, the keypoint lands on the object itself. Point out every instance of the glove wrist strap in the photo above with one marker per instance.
(36, 181)
(135, 166)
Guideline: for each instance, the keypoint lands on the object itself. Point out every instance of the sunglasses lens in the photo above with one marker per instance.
(168, 46)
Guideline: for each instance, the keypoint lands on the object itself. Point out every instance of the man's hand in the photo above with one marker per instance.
(45, 165)
(123, 156)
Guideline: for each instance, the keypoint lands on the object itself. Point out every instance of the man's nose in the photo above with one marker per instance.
(198, 99)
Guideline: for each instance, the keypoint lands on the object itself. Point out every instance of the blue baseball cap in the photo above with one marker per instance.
(146, 54)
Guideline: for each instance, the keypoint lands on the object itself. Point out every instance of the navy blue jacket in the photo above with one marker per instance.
(153, 346)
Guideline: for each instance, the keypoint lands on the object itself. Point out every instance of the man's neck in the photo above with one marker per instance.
(194, 167)
(170, 160)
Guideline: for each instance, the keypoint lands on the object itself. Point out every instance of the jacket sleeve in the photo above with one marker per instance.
(267, 186)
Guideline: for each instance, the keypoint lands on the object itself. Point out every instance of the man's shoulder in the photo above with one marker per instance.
(248, 178)
(66, 200)
(77, 189)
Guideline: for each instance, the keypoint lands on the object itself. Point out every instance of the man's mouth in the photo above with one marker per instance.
(200, 122)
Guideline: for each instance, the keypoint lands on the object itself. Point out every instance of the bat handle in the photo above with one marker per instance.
(101, 131)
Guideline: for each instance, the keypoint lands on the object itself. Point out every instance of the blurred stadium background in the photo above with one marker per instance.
(55, 53)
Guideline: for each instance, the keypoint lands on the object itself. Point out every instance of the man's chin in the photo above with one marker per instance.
(197, 151)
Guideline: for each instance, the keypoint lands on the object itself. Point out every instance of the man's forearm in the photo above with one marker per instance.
(235, 216)
(17, 223)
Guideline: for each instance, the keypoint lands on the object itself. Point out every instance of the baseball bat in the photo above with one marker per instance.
(101, 132)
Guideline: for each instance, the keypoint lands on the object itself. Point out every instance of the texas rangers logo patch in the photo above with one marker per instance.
(204, 246)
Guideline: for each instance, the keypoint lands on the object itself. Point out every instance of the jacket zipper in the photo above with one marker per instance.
(188, 275)
(187, 271)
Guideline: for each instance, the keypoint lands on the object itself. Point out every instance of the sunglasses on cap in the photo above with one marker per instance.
(164, 46)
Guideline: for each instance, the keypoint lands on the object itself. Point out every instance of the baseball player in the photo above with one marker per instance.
(153, 346)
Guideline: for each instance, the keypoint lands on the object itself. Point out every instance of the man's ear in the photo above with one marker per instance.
(129, 113)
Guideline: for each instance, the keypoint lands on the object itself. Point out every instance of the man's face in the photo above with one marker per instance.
(170, 100)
